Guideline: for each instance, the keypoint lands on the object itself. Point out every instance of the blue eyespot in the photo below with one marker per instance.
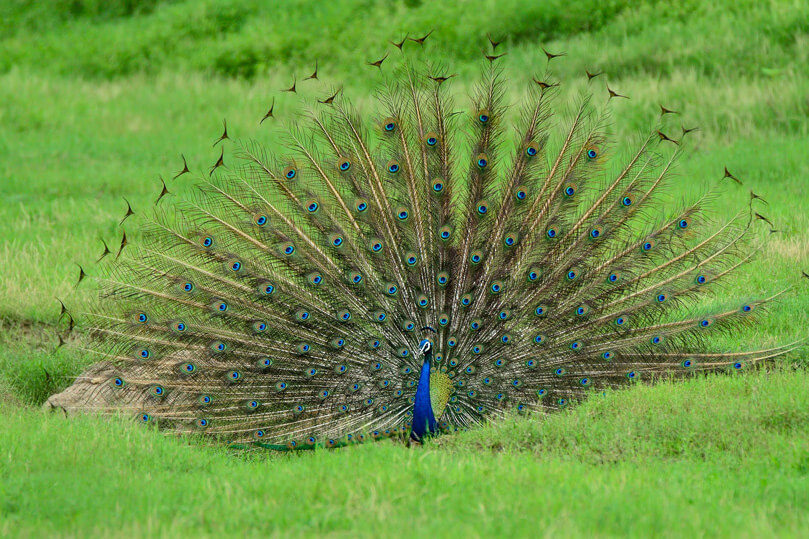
(144, 353)
(509, 241)
(539, 339)
(575, 345)
(571, 274)
(737, 365)
(261, 220)
(445, 234)
(390, 126)
(207, 241)
(362, 206)
(521, 194)
(483, 117)
(647, 246)
(118, 382)
(432, 141)
(607, 355)
(559, 372)
(482, 208)
(289, 249)
(592, 154)
(393, 168)
(687, 363)
(631, 375)
(683, 223)
(539, 311)
(142, 318)
(531, 151)
(570, 190)
(661, 298)
(627, 201)
(290, 173)
(376, 247)
(747, 308)
(613, 277)
(551, 233)
(594, 233)
(268, 289)
(477, 349)
(541, 392)
(656, 340)
(438, 187)
(312, 207)
(403, 215)
(345, 165)
(236, 266)
(482, 162)
(620, 321)
(188, 287)
(205, 399)
(701, 279)
(392, 289)
(411, 260)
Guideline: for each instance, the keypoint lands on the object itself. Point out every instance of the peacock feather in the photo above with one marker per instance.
(414, 271)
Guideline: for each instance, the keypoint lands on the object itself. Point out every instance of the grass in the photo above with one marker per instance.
(98, 99)
(715, 456)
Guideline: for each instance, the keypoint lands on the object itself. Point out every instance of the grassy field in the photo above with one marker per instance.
(98, 99)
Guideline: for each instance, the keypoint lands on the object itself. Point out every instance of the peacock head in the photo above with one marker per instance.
(426, 345)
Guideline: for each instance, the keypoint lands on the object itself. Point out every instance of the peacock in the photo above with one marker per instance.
(420, 270)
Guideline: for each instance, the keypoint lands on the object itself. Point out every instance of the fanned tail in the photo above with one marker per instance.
(282, 303)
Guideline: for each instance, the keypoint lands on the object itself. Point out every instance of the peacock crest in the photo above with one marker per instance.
(420, 269)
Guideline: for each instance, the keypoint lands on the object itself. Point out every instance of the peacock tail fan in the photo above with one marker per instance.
(282, 304)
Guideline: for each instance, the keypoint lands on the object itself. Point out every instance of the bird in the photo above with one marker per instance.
(407, 273)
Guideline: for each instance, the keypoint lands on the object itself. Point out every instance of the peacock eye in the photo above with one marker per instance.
(592, 154)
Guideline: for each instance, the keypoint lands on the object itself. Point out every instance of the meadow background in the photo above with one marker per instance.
(98, 98)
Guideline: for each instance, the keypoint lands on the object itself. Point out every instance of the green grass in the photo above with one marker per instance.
(98, 99)
(716, 456)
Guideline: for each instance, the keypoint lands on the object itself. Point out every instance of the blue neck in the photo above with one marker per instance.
(424, 422)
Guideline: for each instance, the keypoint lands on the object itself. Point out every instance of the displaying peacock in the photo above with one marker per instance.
(422, 270)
